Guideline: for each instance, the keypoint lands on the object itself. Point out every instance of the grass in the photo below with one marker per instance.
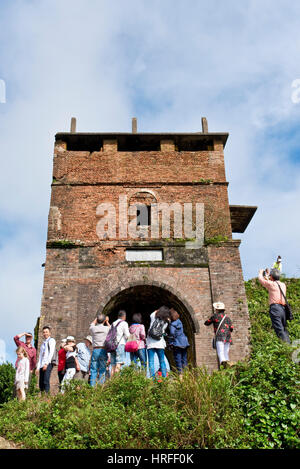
(254, 404)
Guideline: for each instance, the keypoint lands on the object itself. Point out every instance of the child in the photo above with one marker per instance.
(22, 373)
(72, 364)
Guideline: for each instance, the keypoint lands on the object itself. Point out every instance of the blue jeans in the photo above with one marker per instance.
(44, 381)
(161, 358)
(180, 357)
(140, 354)
(98, 365)
(119, 356)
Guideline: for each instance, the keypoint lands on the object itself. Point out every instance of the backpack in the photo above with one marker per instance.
(54, 359)
(156, 331)
(110, 343)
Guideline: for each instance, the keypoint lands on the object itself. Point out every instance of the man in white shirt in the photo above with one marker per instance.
(117, 358)
(44, 366)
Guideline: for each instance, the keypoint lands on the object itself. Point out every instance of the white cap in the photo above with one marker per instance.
(70, 337)
(219, 305)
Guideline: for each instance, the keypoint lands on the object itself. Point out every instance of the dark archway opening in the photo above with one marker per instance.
(145, 299)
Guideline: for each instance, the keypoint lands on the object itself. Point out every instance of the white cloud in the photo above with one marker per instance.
(2, 351)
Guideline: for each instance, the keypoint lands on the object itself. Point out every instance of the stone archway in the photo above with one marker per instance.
(145, 298)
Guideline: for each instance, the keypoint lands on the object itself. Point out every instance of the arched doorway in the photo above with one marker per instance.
(145, 299)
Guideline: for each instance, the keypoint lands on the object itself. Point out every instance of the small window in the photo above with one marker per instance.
(143, 215)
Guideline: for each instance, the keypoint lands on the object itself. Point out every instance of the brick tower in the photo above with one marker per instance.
(104, 252)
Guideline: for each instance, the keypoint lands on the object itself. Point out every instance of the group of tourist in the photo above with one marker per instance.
(103, 352)
(141, 346)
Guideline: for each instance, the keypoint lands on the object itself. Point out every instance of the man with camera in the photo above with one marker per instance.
(277, 292)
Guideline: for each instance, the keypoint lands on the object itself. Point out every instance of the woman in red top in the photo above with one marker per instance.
(61, 361)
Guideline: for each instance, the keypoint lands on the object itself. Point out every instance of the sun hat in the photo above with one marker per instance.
(219, 305)
(70, 337)
(89, 338)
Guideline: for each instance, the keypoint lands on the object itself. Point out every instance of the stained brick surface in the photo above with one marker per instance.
(87, 273)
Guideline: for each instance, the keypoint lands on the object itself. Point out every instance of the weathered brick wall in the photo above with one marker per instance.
(139, 167)
(73, 295)
(82, 278)
(73, 208)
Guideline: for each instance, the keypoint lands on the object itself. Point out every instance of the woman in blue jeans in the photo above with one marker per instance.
(159, 320)
(98, 330)
(178, 341)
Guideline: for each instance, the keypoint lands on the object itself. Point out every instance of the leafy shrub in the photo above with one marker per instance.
(255, 404)
(7, 378)
(268, 384)
(130, 411)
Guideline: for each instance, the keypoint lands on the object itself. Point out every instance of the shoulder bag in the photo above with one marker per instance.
(287, 306)
(215, 338)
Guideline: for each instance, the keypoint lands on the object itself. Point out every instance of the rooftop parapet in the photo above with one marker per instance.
(142, 141)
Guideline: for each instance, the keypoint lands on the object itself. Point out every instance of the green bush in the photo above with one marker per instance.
(268, 386)
(254, 404)
(7, 378)
(129, 411)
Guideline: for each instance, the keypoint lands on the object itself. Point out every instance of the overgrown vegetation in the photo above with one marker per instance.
(7, 378)
(254, 404)
(62, 244)
(268, 385)
(216, 240)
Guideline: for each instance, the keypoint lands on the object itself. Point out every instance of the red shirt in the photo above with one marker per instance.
(61, 359)
(31, 352)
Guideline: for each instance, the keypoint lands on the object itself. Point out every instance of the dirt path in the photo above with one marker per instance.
(6, 445)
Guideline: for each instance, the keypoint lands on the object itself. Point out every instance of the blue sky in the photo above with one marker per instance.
(168, 63)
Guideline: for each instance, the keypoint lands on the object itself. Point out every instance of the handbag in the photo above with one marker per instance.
(131, 345)
(215, 338)
(288, 309)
